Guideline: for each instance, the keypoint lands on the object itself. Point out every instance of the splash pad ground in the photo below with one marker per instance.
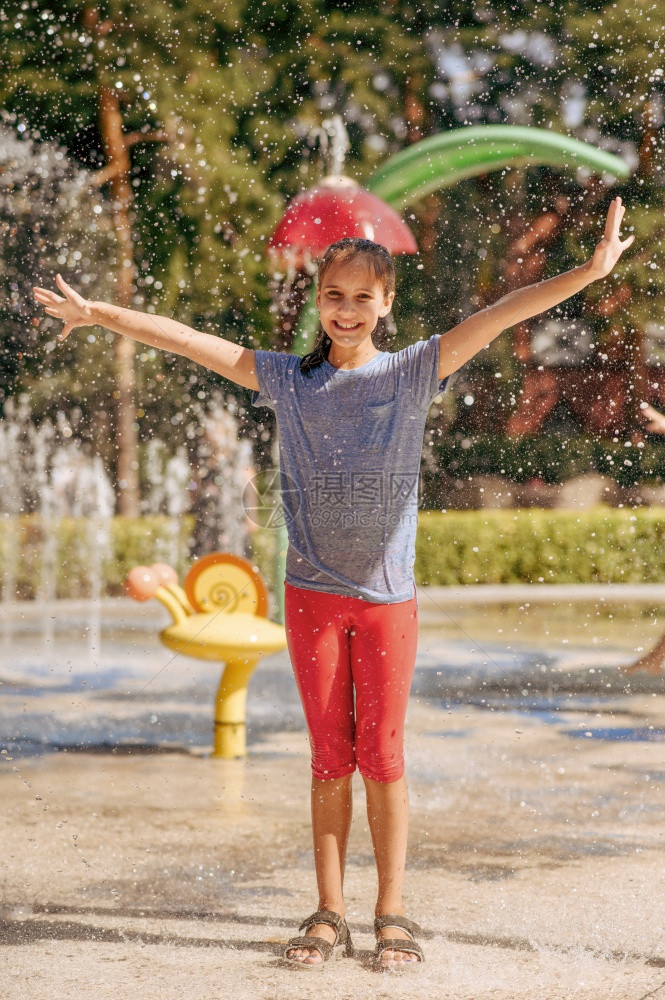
(134, 862)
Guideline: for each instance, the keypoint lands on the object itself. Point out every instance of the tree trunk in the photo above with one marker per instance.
(118, 160)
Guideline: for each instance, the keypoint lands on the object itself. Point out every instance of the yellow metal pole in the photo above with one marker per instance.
(230, 703)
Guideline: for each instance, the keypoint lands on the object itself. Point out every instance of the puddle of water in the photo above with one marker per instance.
(622, 734)
(551, 710)
(448, 734)
(556, 624)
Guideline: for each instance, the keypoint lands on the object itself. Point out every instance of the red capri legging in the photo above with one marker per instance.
(339, 643)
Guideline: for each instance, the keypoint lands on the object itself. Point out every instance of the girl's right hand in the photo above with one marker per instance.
(654, 420)
(73, 309)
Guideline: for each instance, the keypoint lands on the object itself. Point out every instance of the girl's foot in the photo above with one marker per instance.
(329, 926)
(391, 957)
(311, 956)
(395, 928)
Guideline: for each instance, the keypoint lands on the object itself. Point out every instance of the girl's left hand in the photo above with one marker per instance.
(610, 247)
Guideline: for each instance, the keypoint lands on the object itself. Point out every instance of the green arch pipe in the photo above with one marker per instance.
(441, 161)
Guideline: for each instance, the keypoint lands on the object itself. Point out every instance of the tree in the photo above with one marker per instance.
(588, 69)
(211, 116)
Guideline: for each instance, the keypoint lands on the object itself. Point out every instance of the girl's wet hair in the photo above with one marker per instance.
(381, 264)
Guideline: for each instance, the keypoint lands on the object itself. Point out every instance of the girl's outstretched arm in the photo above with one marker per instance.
(230, 360)
(467, 338)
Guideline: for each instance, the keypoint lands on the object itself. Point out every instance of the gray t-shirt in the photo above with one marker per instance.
(350, 444)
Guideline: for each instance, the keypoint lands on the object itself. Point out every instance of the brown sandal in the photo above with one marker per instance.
(397, 944)
(325, 948)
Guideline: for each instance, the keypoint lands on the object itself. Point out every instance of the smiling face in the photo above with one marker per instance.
(351, 300)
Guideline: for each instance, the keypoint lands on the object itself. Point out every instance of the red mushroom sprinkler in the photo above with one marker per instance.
(335, 208)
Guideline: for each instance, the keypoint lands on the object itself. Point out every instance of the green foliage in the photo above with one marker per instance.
(232, 92)
(601, 545)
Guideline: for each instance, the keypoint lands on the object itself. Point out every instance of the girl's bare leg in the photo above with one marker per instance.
(331, 823)
(388, 816)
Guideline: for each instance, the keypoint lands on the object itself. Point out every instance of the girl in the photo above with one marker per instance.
(351, 419)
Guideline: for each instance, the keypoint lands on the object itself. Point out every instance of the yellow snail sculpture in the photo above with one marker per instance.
(218, 615)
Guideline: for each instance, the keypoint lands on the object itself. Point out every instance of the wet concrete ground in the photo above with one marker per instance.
(536, 843)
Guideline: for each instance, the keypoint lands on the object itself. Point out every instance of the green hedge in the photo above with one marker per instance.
(133, 541)
(598, 545)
